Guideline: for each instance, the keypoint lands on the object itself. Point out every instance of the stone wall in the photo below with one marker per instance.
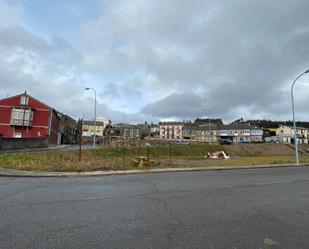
(22, 143)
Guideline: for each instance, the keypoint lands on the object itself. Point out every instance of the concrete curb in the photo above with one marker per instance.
(16, 173)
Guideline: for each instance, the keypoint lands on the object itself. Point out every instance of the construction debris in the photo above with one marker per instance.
(217, 155)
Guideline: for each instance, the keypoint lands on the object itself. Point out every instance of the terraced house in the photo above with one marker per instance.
(203, 133)
(241, 133)
(171, 130)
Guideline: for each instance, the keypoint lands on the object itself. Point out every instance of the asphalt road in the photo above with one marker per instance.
(262, 208)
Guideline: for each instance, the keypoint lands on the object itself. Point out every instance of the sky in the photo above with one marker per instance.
(158, 60)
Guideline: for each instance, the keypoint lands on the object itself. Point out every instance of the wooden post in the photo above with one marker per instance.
(158, 155)
(124, 154)
(170, 145)
(148, 150)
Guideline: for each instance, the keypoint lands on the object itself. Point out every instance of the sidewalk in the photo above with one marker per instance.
(16, 173)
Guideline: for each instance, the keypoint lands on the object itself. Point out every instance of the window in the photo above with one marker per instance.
(21, 116)
(24, 100)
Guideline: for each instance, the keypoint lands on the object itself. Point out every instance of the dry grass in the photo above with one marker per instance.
(113, 158)
(241, 161)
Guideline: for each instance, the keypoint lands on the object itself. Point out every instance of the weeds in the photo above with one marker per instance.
(114, 158)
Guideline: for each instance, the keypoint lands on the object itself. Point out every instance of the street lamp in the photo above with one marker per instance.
(95, 114)
(294, 123)
(204, 110)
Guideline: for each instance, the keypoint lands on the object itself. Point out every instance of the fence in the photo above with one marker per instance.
(127, 153)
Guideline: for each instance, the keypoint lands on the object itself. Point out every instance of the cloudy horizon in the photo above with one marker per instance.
(158, 60)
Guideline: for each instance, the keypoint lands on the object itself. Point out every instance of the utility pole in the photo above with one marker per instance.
(95, 115)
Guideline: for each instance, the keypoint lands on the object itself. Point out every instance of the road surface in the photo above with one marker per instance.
(261, 208)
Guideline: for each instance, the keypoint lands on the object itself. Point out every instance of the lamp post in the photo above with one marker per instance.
(294, 123)
(204, 110)
(95, 114)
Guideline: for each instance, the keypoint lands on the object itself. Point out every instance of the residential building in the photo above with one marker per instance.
(23, 116)
(285, 134)
(88, 128)
(133, 131)
(68, 129)
(241, 133)
(154, 130)
(171, 130)
(101, 124)
(204, 133)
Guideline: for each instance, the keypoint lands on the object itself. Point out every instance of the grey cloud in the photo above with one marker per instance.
(186, 105)
(240, 54)
(49, 71)
(19, 37)
(234, 58)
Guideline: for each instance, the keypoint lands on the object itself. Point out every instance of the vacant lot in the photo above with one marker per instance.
(260, 149)
(160, 156)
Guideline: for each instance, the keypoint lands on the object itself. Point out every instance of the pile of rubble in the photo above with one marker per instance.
(217, 155)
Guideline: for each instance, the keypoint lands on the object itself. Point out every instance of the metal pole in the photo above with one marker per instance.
(294, 122)
(95, 115)
(95, 118)
(208, 129)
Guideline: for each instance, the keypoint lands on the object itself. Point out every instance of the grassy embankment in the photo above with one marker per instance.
(181, 156)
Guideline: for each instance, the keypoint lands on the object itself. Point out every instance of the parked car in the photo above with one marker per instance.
(225, 141)
(182, 142)
(244, 142)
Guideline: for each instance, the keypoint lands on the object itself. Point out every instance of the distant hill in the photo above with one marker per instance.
(264, 123)
(200, 121)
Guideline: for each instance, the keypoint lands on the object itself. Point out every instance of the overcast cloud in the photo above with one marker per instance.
(158, 60)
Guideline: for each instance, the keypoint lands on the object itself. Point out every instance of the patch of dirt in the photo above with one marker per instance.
(304, 148)
(259, 149)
